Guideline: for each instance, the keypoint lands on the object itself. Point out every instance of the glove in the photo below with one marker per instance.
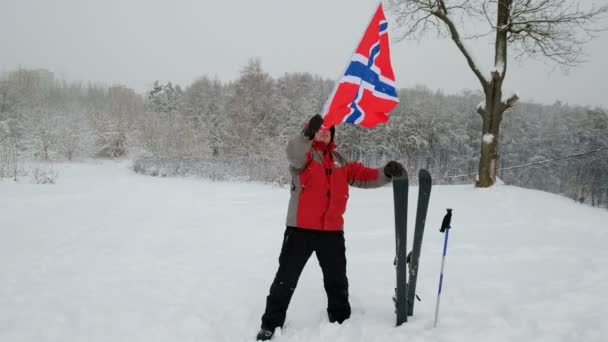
(393, 169)
(313, 126)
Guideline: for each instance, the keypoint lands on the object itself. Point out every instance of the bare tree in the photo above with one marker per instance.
(546, 29)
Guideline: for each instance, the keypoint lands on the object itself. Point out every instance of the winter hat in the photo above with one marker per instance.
(332, 131)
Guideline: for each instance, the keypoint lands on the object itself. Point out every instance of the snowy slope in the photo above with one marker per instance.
(108, 255)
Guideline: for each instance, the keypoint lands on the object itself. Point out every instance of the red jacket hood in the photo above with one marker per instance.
(319, 146)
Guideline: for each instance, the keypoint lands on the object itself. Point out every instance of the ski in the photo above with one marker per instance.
(400, 192)
(424, 195)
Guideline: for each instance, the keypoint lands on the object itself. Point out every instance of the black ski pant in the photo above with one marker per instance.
(298, 245)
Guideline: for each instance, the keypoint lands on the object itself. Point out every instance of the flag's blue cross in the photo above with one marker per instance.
(366, 74)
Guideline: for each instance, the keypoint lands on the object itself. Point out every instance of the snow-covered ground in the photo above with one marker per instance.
(109, 255)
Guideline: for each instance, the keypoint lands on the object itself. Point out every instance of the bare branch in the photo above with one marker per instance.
(554, 29)
(417, 16)
(510, 102)
(459, 43)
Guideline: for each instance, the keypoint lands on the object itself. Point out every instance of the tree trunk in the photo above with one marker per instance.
(491, 118)
(492, 113)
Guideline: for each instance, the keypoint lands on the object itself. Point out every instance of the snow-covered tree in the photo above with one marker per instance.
(203, 109)
(553, 29)
(248, 108)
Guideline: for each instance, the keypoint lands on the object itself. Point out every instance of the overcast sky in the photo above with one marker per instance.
(134, 42)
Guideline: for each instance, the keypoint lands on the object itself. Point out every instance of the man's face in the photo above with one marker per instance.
(323, 135)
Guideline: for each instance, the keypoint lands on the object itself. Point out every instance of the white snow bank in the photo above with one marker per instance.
(108, 255)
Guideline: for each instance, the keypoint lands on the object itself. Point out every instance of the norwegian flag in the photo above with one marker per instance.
(366, 92)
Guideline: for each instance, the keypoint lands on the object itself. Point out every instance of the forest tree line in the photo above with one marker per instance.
(238, 130)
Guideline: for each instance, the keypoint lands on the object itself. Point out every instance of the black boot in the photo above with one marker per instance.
(265, 334)
(338, 318)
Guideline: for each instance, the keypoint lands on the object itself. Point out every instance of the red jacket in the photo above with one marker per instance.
(319, 184)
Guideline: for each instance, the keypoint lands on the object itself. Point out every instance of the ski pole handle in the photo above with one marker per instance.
(447, 221)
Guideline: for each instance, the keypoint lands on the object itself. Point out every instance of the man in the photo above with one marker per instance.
(319, 192)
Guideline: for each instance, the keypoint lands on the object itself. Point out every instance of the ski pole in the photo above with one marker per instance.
(445, 227)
